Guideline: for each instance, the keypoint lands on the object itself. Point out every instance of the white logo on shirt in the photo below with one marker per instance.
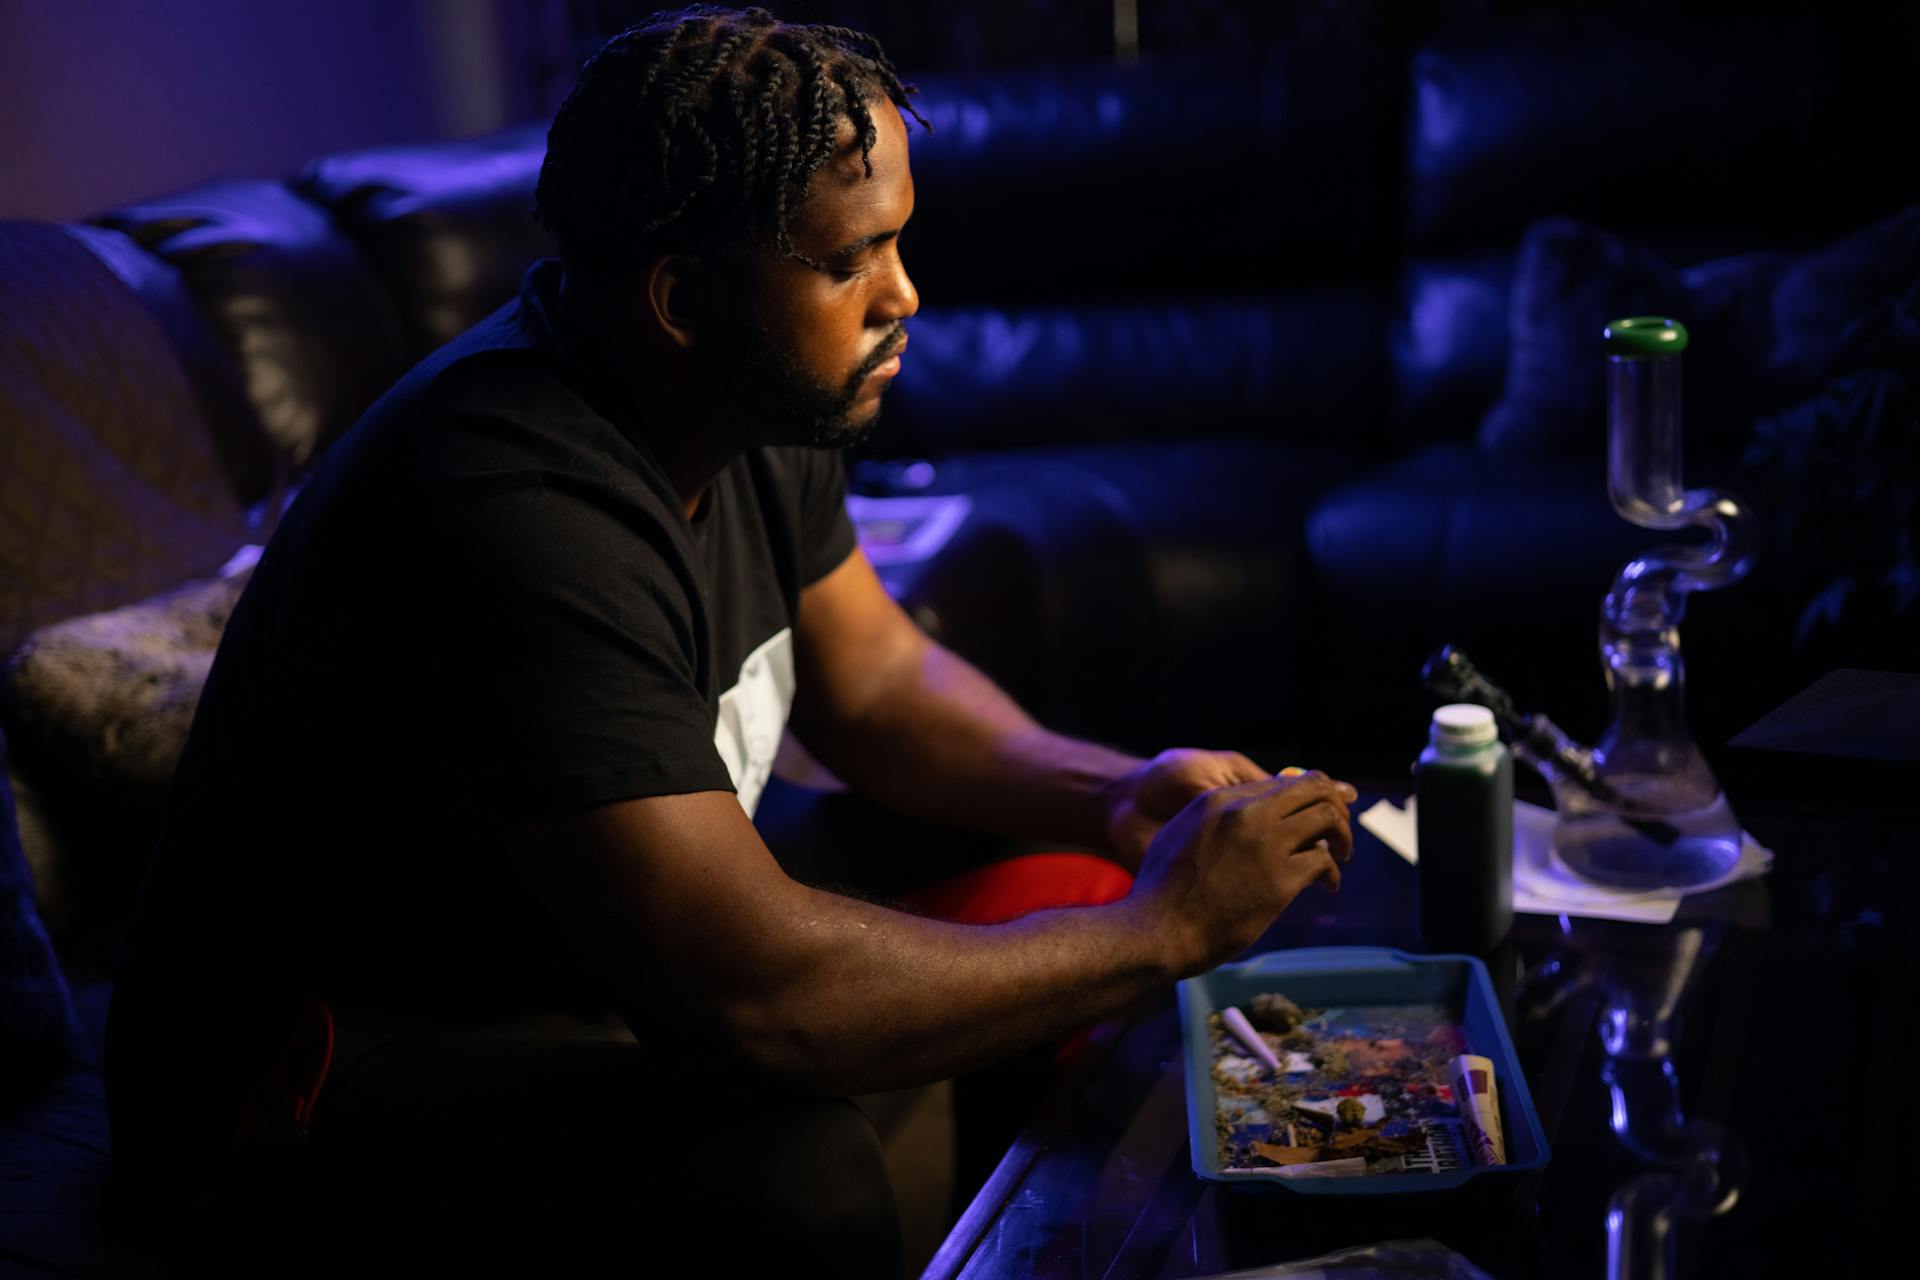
(753, 715)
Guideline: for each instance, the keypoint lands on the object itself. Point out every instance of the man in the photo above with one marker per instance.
(477, 761)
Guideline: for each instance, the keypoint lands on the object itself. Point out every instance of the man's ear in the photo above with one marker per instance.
(678, 289)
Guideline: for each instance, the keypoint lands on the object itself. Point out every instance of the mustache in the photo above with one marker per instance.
(884, 350)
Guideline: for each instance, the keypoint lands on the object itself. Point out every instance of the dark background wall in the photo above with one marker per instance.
(103, 101)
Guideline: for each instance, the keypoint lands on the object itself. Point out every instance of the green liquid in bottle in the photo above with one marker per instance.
(1464, 787)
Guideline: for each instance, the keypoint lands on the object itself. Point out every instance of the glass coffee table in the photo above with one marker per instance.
(1723, 1094)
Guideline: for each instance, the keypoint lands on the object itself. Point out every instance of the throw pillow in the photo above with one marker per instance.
(39, 1032)
(1843, 463)
(1569, 280)
(1841, 308)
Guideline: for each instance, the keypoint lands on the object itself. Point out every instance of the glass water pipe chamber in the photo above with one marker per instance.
(1659, 818)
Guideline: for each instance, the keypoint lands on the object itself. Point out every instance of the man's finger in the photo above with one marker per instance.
(1239, 768)
(1311, 864)
(1341, 855)
(1324, 819)
(1194, 772)
(1340, 839)
(1296, 777)
(1281, 797)
(1340, 842)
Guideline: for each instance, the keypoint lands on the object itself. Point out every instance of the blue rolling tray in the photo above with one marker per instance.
(1344, 978)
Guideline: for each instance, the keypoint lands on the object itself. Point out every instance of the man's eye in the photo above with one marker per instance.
(843, 274)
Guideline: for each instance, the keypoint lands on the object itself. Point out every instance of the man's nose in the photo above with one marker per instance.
(899, 300)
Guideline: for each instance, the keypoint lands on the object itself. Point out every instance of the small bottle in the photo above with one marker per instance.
(1464, 816)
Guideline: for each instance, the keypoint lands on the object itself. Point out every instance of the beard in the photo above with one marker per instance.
(761, 391)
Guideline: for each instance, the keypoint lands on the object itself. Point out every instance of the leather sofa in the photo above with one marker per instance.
(1206, 342)
(1209, 352)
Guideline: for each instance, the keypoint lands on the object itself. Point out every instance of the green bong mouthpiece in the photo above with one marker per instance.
(1643, 337)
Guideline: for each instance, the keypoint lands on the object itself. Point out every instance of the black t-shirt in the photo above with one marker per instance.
(487, 606)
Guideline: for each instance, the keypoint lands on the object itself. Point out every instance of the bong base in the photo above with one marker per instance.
(1601, 846)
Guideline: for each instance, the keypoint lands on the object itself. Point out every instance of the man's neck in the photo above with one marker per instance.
(691, 450)
(691, 470)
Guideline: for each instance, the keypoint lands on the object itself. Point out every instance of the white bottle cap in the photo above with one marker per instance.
(1463, 724)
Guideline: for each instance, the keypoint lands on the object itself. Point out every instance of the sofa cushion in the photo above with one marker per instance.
(1447, 340)
(1262, 166)
(1146, 593)
(449, 226)
(1288, 365)
(110, 487)
(255, 469)
(1449, 526)
(316, 336)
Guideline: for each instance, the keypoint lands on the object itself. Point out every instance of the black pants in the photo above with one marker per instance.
(535, 1146)
(549, 1141)
(547, 1145)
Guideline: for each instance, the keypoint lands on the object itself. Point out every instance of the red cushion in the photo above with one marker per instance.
(1003, 890)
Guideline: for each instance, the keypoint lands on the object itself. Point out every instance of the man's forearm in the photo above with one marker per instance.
(873, 999)
(946, 744)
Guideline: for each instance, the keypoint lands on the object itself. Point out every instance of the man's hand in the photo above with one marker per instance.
(1227, 864)
(1141, 801)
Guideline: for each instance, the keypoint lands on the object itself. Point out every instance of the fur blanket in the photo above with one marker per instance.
(97, 709)
(111, 695)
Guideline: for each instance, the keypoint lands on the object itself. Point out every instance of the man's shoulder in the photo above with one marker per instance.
(483, 443)
(493, 369)
(495, 403)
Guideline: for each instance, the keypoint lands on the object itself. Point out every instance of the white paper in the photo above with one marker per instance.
(1545, 886)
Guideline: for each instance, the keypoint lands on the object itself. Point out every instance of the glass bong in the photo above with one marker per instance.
(1640, 809)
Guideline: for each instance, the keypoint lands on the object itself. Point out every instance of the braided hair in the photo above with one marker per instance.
(701, 127)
